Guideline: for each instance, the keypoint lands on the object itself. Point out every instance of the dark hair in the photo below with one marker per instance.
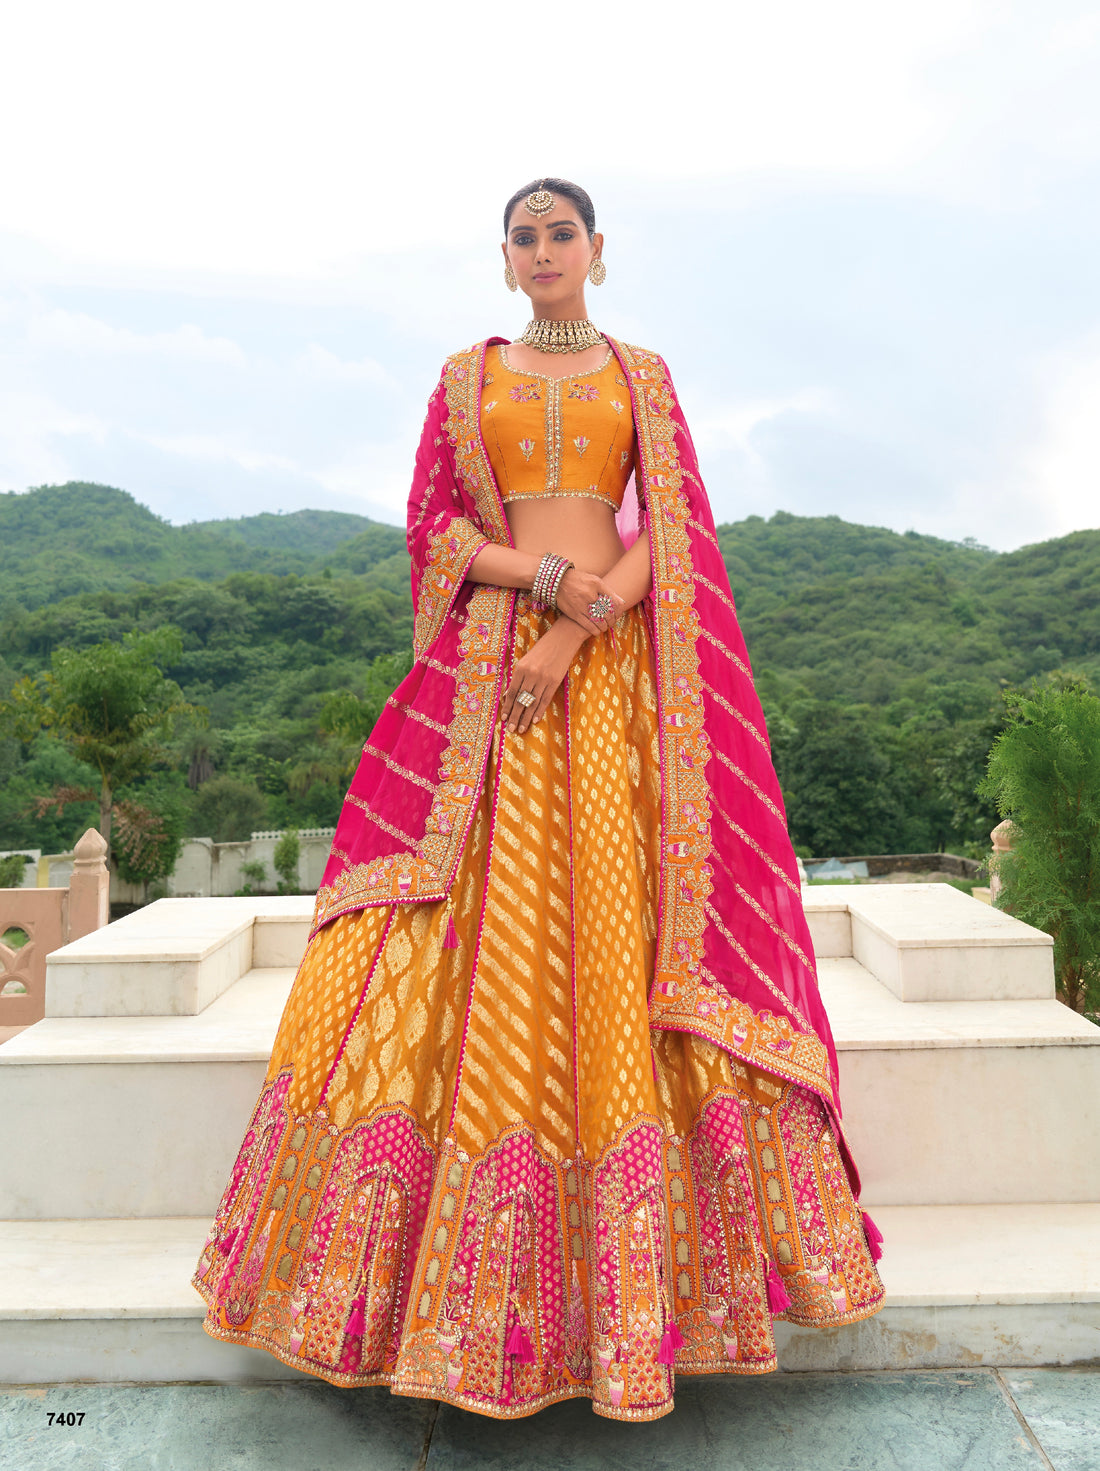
(573, 192)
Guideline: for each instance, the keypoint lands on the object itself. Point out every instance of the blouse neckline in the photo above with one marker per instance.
(549, 377)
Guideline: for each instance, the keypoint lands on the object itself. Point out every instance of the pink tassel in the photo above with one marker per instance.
(357, 1323)
(229, 1238)
(671, 1340)
(450, 939)
(519, 1345)
(874, 1238)
(778, 1301)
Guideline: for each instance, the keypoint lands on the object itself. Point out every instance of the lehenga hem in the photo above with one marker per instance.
(522, 1411)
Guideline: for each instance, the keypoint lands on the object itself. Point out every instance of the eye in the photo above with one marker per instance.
(564, 235)
(524, 240)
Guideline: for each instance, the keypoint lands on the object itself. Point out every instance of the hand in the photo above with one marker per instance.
(576, 590)
(541, 671)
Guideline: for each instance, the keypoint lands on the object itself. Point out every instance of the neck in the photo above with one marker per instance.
(573, 310)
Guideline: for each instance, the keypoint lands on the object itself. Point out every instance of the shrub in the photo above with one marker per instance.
(1044, 774)
(287, 852)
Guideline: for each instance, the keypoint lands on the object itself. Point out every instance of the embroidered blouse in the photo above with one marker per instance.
(558, 436)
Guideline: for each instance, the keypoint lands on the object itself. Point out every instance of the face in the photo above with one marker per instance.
(550, 255)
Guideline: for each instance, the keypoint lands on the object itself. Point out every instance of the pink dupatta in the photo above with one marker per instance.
(735, 962)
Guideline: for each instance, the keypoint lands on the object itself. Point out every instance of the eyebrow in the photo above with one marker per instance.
(553, 225)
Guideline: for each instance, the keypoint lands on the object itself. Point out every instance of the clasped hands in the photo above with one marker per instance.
(544, 666)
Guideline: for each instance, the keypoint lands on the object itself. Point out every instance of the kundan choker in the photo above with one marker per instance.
(548, 335)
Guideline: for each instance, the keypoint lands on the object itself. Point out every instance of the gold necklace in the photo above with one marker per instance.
(548, 335)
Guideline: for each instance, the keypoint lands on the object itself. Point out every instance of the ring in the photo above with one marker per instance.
(525, 697)
(600, 607)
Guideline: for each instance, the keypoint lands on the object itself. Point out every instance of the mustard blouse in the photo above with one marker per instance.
(558, 436)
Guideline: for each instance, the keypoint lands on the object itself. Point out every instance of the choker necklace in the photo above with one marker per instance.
(548, 335)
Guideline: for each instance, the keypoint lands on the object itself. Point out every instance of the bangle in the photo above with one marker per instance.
(550, 572)
(559, 574)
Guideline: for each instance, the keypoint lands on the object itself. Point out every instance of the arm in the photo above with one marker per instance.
(544, 666)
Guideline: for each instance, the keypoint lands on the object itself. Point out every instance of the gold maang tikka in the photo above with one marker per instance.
(540, 203)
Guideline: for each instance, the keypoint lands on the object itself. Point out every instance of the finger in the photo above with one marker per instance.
(528, 716)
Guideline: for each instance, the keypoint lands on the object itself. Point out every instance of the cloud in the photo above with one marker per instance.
(318, 362)
(35, 438)
(1061, 470)
(76, 332)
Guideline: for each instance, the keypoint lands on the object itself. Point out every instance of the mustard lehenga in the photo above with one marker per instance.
(500, 1189)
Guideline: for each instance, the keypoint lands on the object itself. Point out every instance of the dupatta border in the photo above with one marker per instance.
(426, 875)
(681, 998)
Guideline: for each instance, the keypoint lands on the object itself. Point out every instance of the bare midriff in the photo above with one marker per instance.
(575, 527)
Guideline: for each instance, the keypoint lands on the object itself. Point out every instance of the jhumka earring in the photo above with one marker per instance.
(510, 277)
(597, 272)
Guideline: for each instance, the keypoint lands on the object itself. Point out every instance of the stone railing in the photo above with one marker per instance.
(35, 922)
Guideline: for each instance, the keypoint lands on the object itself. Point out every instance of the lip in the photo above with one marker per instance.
(547, 276)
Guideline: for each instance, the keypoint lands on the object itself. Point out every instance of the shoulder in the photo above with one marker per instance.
(467, 356)
(644, 359)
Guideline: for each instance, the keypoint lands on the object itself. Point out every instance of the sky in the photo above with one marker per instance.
(238, 240)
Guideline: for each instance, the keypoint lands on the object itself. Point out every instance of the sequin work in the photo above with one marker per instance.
(473, 1173)
(575, 434)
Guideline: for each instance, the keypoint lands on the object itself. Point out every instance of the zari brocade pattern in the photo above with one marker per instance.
(473, 1173)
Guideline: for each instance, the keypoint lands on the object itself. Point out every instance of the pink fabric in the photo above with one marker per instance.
(757, 946)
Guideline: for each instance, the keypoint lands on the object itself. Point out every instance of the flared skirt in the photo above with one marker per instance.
(475, 1172)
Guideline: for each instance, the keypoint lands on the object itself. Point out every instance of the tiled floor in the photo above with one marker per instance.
(982, 1420)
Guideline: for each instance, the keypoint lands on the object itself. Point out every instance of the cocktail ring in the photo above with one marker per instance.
(600, 607)
(525, 697)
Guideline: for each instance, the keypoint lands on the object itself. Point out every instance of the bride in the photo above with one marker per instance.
(552, 1109)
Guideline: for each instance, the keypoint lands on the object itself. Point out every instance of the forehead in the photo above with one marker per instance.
(564, 209)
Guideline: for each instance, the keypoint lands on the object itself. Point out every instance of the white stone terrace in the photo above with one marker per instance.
(972, 1102)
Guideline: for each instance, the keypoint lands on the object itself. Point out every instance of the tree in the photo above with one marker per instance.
(288, 850)
(111, 705)
(227, 809)
(147, 842)
(1044, 774)
(838, 785)
(11, 870)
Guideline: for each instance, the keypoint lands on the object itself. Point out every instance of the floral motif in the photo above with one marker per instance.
(617, 405)
(525, 393)
(581, 443)
(528, 447)
(586, 392)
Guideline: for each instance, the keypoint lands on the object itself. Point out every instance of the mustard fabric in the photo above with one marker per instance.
(558, 436)
(473, 1174)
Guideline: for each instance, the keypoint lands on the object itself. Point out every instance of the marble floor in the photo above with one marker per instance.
(981, 1420)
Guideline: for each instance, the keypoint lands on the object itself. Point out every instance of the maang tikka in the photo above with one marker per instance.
(540, 202)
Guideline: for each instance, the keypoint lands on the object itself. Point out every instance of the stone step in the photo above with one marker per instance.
(931, 942)
(965, 1102)
(174, 957)
(1009, 1285)
(945, 1102)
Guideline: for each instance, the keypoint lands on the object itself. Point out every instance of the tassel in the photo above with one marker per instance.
(519, 1344)
(357, 1323)
(450, 937)
(229, 1238)
(778, 1301)
(874, 1238)
(671, 1340)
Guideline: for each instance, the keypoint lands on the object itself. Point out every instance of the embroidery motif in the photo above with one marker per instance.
(527, 446)
(587, 392)
(580, 444)
(368, 1255)
(524, 393)
(684, 744)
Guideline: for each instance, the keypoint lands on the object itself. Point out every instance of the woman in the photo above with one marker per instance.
(552, 1108)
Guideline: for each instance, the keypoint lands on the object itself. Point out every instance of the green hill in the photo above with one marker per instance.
(63, 540)
(880, 657)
